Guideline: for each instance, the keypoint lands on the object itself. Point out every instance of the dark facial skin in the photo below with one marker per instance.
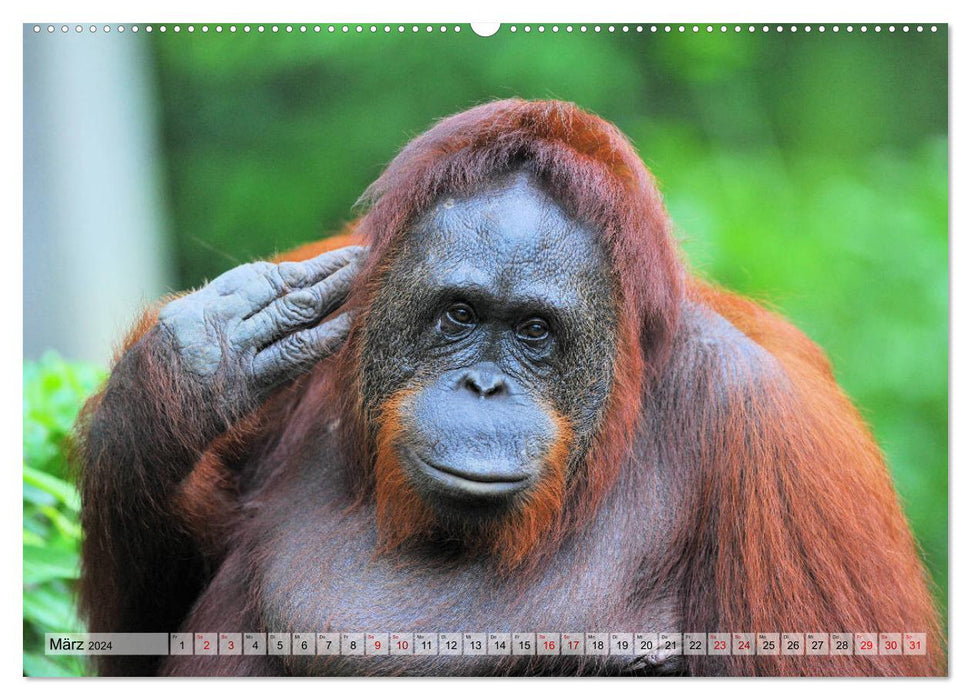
(498, 310)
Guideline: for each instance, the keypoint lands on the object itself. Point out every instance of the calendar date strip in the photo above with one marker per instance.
(489, 643)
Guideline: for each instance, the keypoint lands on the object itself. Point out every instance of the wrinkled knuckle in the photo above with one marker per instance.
(298, 349)
(271, 273)
(289, 356)
(316, 299)
(298, 308)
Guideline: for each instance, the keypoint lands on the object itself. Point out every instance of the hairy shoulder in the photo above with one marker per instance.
(765, 328)
(736, 360)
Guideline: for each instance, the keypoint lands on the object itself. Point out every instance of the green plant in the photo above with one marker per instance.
(54, 391)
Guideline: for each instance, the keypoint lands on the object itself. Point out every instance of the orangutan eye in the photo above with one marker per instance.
(534, 330)
(457, 320)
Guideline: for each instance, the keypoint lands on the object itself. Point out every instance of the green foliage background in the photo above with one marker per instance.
(806, 169)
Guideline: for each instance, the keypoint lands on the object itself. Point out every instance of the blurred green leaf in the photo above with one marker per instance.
(44, 564)
(58, 489)
(54, 391)
(41, 666)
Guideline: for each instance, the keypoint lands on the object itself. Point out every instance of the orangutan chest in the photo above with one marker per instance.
(420, 612)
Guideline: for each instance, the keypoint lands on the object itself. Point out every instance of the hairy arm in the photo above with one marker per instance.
(197, 368)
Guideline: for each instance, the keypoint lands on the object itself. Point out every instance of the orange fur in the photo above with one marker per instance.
(401, 513)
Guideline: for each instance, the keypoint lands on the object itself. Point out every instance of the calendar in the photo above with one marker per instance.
(491, 643)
